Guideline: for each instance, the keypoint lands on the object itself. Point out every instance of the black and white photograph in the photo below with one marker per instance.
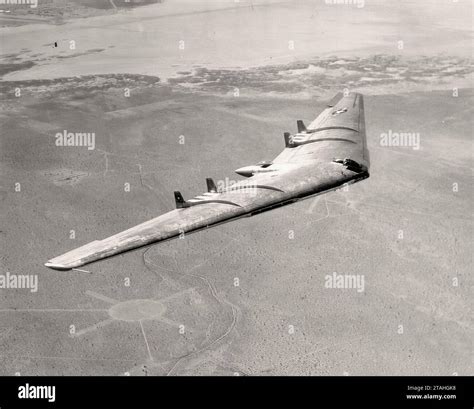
(236, 189)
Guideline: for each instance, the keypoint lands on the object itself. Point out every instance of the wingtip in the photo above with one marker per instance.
(56, 266)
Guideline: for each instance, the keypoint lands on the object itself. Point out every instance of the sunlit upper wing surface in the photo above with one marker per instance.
(328, 153)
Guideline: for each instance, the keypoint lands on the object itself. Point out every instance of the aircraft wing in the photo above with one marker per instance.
(329, 153)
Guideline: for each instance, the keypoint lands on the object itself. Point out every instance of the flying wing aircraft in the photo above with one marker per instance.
(327, 154)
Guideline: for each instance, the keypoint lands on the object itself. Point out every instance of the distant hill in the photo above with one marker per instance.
(108, 4)
(57, 10)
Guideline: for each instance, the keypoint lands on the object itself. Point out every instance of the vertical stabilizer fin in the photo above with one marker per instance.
(180, 202)
(211, 186)
(301, 126)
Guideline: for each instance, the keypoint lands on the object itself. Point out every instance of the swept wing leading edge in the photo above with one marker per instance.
(330, 152)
